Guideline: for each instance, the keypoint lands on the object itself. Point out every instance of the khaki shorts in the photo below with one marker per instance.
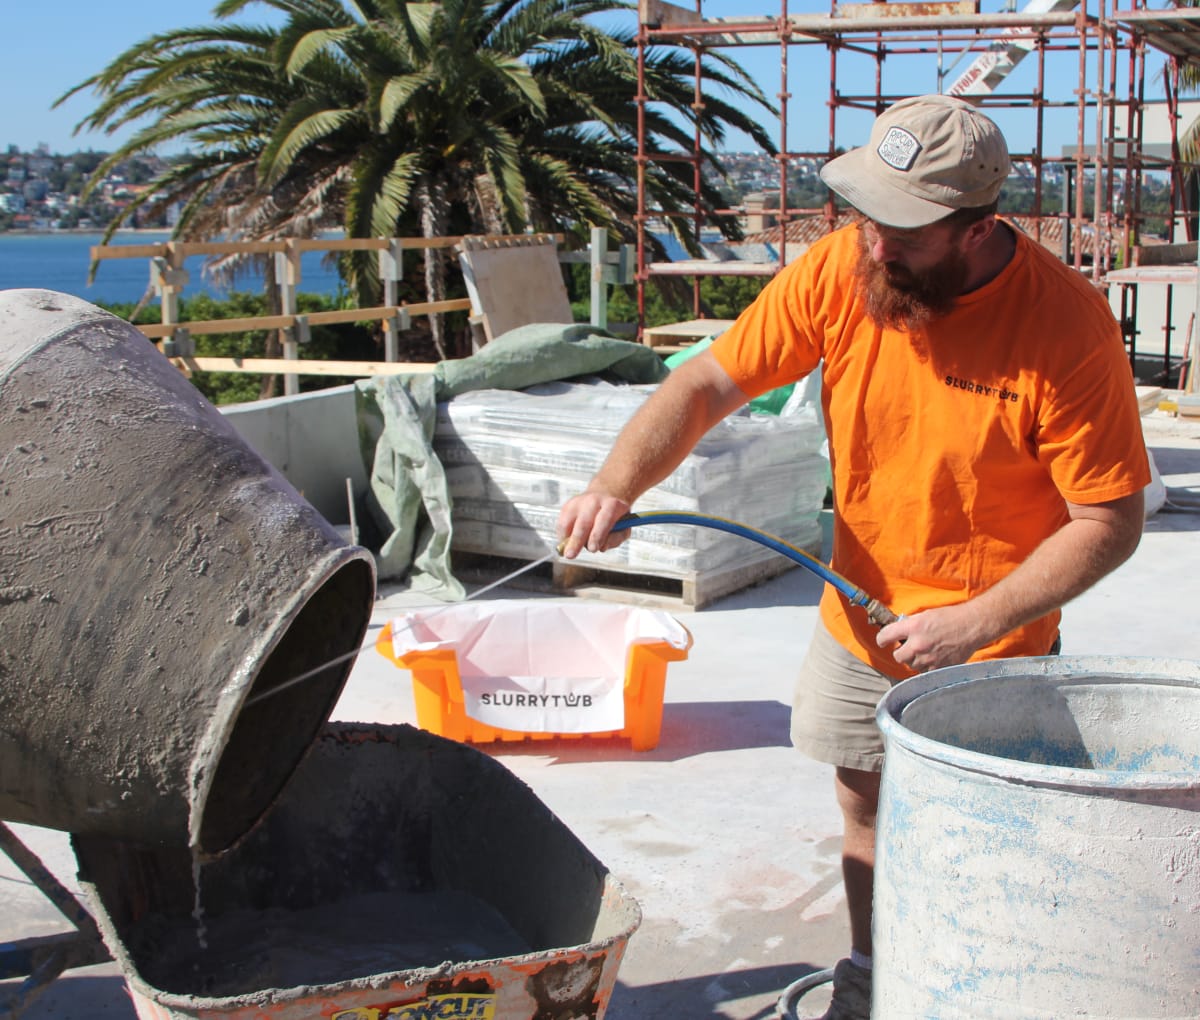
(833, 710)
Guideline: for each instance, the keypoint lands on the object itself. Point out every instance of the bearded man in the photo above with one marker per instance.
(985, 444)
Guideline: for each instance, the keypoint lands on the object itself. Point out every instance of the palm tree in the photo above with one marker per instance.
(390, 117)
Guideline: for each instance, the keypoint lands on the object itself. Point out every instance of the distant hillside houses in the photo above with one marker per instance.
(765, 241)
(43, 191)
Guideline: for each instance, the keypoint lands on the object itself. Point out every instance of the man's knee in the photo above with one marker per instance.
(858, 795)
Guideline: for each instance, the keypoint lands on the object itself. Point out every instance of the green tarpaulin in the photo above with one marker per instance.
(408, 496)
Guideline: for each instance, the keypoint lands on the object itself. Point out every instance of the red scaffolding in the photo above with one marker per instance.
(1100, 223)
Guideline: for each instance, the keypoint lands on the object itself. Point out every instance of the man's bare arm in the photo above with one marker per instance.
(690, 401)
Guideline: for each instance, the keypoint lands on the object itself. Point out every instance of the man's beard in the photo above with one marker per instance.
(898, 298)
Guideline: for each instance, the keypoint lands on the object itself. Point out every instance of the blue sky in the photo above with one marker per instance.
(47, 50)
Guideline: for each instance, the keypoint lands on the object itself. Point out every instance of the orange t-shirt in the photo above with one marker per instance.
(952, 453)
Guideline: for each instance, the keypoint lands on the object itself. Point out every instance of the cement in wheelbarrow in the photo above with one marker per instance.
(399, 876)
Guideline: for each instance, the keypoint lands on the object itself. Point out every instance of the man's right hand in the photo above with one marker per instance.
(586, 520)
(690, 401)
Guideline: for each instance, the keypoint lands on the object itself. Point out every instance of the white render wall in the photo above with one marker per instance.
(312, 440)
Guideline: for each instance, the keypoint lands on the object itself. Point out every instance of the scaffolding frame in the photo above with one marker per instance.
(1109, 97)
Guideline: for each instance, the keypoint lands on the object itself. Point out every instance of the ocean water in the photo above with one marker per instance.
(59, 261)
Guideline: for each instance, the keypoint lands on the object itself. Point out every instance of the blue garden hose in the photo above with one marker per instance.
(877, 612)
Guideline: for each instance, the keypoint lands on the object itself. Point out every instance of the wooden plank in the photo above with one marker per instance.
(476, 241)
(1165, 254)
(514, 282)
(429, 307)
(338, 315)
(628, 585)
(287, 366)
(560, 579)
(696, 589)
(342, 244)
(711, 267)
(377, 243)
(893, 9)
(189, 248)
(1148, 398)
(677, 336)
(1177, 275)
(128, 251)
(661, 14)
(431, 242)
(155, 330)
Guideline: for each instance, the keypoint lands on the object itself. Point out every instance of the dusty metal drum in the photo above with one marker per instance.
(157, 577)
(1038, 841)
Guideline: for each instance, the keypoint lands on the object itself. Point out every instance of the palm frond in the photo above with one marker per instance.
(303, 125)
(312, 44)
(383, 113)
(397, 93)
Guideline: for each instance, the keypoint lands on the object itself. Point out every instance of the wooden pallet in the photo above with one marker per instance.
(694, 591)
(679, 336)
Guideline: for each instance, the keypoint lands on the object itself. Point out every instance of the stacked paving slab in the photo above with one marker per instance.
(512, 458)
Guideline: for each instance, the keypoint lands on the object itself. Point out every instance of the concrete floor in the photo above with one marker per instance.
(727, 837)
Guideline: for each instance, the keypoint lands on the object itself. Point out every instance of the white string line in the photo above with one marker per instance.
(357, 651)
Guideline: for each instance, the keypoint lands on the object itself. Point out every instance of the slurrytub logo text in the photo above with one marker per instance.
(452, 1006)
(519, 699)
(981, 389)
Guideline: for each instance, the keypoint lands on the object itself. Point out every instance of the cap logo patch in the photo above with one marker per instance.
(899, 149)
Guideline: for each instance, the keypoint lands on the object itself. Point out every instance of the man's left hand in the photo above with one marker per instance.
(932, 639)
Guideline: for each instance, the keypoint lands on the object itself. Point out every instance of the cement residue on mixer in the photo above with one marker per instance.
(250, 950)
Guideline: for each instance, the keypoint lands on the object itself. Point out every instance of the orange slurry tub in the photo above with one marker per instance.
(508, 670)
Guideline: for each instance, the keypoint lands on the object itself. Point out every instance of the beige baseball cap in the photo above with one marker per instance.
(927, 156)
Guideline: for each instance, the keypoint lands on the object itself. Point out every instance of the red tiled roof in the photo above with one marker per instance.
(804, 230)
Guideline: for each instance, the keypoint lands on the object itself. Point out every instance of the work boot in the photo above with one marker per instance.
(851, 993)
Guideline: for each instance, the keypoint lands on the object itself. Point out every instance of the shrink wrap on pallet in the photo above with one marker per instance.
(512, 458)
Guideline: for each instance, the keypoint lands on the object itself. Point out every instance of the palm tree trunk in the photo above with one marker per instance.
(431, 194)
